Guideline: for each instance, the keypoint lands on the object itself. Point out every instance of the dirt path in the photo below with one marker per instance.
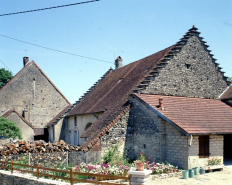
(214, 178)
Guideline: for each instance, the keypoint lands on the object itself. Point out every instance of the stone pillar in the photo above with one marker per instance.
(140, 177)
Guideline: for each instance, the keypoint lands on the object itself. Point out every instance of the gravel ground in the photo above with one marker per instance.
(214, 178)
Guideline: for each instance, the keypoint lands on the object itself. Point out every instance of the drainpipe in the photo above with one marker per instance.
(191, 139)
(95, 116)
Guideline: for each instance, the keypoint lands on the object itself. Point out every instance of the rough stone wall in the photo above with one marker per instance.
(215, 149)
(27, 131)
(190, 73)
(116, 135)
(32, 89)
(145, 133)
(176, 147)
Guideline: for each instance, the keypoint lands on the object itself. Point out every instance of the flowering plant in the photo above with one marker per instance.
(141, 158)
(214, 161)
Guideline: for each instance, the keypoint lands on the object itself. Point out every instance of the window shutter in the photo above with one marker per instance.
(206, 143)
(201, 147)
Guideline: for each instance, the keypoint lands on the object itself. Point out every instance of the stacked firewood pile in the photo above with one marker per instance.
(21, 147)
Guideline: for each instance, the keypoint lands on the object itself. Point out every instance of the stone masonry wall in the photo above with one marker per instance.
(116, 135)
(190, 73)
(32, 89)
(176, 147)
(145, 133)
(27, 131)
(215, 149)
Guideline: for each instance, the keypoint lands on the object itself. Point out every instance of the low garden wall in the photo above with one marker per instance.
(17, 178)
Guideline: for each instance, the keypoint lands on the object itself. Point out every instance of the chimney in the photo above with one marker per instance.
(25, 61)
(118, 62)
(161, 105)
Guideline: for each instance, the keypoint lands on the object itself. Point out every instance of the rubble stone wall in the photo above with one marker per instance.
(191, 73)
(116, 135)
(145, 133)
(32, 89)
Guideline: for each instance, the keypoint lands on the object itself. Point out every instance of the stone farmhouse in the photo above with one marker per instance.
(167, 106)
(31, 100)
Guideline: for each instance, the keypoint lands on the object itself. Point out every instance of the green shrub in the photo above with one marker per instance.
(9, 129)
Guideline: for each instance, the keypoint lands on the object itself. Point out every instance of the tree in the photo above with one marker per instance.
(9, 129)
(229, 78)
(5, 76)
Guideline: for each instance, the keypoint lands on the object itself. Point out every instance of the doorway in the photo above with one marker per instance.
(227, 149)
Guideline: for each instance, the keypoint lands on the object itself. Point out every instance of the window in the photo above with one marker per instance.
(88, 125)
(187, 66)
(75, 121)
(203, 146)
(76, 137)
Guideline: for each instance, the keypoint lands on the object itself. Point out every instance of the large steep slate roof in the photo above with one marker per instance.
(116, 86)
(193, 115)
(111, 95)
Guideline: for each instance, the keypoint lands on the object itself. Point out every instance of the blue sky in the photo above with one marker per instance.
(104, 30)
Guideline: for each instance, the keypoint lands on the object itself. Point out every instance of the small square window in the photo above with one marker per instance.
(187, 66)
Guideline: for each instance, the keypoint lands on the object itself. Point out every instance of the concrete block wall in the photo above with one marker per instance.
(176, 147)
(215, 149)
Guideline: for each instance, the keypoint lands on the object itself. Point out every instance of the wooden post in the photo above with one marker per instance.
(37, 170)
(129, 179)
(71, 176)
(11, 166)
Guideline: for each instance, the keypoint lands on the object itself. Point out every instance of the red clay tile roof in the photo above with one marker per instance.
(6, 114)
(33, 62)
(227, 94)
(57, 117)
(193, 115)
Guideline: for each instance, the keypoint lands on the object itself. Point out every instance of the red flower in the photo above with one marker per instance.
(141, 153)
(149, 157)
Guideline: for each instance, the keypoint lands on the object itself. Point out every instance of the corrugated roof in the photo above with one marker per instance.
(193, 115)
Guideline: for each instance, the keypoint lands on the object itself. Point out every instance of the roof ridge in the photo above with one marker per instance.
(12, 110)
(91, 88)
(29, 64)
(15, 76)
(153, 72)
(174, 50)
(50, 81)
